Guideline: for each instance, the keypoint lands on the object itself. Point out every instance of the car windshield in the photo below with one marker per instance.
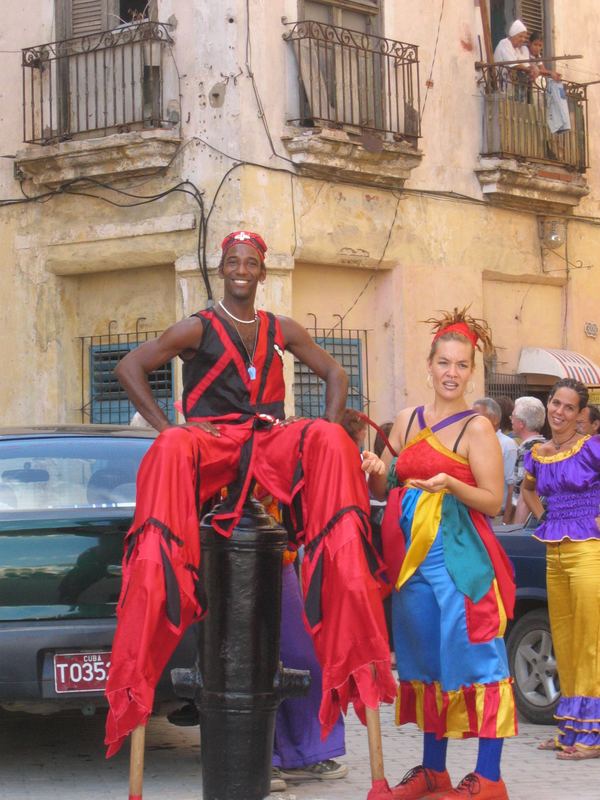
(69, 472)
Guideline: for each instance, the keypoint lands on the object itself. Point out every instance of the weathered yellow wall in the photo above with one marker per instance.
(522, 315)
(140, 299)
(66, 266)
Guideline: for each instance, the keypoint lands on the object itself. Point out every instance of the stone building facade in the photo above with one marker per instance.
(390, 171)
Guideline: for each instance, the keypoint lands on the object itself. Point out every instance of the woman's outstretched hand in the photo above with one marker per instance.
(437, 483)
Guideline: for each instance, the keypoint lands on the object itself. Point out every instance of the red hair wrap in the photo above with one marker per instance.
(458, 327)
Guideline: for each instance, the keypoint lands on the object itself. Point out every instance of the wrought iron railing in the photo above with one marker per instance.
(516, 119)
(348, 78)
(105, 82)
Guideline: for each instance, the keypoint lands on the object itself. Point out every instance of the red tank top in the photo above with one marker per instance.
(216, 380)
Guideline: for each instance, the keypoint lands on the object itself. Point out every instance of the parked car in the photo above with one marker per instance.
(67, 496)
(528, 637)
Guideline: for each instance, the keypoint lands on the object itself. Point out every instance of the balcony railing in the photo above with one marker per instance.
(357, 80)
(98, 84)
(516, 122)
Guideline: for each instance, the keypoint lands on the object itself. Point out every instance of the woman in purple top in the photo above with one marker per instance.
(566, 471)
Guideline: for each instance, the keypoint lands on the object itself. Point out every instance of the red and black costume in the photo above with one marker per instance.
(310, 465)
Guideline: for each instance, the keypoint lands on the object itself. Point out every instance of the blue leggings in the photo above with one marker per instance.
(488, 757)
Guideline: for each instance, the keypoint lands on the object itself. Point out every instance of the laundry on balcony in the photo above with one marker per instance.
(557, 107)
(523, 119)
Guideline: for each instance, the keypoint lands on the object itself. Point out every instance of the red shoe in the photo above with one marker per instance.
(474, 785)
(420, 782)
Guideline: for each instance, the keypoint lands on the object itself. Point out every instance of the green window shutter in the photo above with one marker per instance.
(85, 17)
(531, 12)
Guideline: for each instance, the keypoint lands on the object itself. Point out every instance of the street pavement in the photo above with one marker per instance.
(62, 758)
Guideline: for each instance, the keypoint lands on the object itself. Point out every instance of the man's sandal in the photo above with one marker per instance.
(578, 754)
(548, 744)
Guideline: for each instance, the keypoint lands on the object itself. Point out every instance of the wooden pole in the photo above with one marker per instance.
(487, 31)
(375, 748)
(136, 763)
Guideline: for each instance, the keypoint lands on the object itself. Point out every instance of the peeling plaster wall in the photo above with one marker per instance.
(146, 303)
(70, 265)
(577, 34)
(371, 310)
(18, 30)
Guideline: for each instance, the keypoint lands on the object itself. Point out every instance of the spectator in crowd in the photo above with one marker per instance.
(355, 426)
(589, 421)
(506, 407)
(528, 419)
(377, 512)
(566, 471)
(378, 506)
(488, 407)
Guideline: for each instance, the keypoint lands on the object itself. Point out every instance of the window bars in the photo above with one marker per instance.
(103, 400)
(509, 385)
(349, 347)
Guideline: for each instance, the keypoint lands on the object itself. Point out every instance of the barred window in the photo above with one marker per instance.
(309, 389)
(509, 385)
(103, 400)
(109, 402)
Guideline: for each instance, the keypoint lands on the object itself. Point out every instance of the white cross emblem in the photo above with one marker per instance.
(241, 237)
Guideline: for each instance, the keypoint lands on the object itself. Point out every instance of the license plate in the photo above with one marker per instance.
(81, 672)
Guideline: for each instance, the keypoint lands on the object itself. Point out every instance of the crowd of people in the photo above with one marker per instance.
(437, 477)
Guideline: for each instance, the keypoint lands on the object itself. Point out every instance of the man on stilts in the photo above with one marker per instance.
(235, 432)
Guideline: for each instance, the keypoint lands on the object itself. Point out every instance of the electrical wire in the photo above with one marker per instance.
(183, 187)
(371, 277)
(261, 109)
(437, 39)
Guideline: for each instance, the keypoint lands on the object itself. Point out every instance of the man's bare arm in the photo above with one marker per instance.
(301, 345)
(133, 370)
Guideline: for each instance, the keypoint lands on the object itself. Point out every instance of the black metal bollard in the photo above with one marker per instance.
(240, 683)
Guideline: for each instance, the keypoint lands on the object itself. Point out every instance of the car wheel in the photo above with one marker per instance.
(533, 666)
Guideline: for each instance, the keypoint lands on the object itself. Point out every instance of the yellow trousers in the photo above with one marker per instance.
(573, 578)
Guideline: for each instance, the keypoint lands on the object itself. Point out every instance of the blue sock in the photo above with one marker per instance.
(434, 752)
(488, 758)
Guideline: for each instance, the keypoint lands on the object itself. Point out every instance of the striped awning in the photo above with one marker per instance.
(559, 363)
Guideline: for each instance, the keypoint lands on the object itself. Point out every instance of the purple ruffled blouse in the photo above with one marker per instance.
(570, 482)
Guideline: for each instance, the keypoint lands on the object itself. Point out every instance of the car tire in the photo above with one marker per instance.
(532, 664)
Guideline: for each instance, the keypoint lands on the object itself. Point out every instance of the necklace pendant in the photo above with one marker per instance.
(252, 372)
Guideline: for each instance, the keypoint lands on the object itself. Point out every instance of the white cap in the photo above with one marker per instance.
(516, 27)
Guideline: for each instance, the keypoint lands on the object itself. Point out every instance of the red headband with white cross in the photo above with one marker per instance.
(245, 237)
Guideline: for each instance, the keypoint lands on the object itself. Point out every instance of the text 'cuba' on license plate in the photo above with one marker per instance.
(81, 672)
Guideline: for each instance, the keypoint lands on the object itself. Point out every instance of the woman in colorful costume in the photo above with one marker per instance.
(566, 471)
(453, 582)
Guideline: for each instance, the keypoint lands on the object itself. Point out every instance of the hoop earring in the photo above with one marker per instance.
(470, 388)
(429, 380)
